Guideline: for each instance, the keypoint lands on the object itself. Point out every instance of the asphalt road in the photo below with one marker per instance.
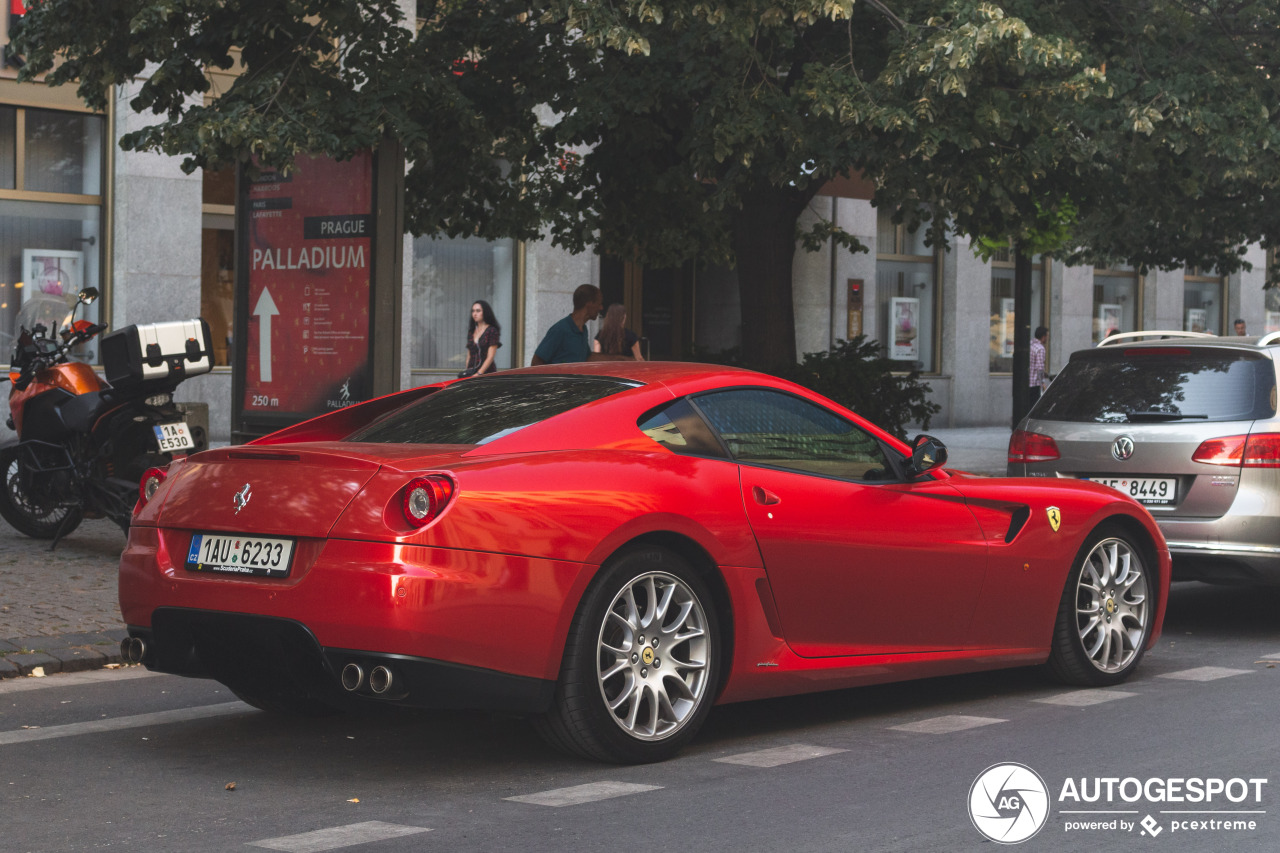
(126, 760)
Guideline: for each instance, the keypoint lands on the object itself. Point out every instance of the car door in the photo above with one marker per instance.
(860, 561)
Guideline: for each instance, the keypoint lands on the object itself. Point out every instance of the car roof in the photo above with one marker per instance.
(1268, 343)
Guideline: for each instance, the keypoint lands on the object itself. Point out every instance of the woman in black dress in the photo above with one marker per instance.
(482, 340)
(614, 337)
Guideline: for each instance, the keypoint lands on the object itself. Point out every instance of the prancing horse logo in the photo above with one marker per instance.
(242, 498)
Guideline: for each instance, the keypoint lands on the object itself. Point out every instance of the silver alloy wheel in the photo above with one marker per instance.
(1111, 605)
(653, 664)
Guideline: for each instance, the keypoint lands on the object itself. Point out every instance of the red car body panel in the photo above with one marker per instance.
(825, 583)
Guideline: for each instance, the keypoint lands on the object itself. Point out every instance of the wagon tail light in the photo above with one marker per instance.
(1241, 451)
(1032, 447)
(151, 481)
(426, 497)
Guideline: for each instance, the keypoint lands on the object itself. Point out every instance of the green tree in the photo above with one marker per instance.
(696, 130)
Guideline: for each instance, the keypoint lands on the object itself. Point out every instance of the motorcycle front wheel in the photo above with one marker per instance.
(33, 515)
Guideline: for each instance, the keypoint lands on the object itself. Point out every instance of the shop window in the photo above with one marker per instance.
(1002, 319)
(1271, 296)
(1202, 300)
(51, 173)
(449, 276)
(218, 260)
(906, 296)
(1117, 294)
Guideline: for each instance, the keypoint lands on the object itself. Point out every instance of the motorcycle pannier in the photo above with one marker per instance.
(157, 353)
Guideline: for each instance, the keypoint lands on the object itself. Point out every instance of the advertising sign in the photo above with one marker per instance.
(309, 264)
(904, 329)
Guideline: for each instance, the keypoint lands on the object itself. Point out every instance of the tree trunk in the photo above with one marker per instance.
(764, 246)
(1021, 334)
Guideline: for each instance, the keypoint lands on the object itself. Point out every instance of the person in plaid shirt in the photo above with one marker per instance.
(1036, 375)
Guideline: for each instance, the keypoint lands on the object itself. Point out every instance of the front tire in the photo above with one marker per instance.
(1105, 615)
(641, 663)
(34, 515)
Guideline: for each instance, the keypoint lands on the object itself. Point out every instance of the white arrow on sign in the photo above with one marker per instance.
(265, 310)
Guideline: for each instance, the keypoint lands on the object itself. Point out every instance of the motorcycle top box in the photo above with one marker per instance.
(157, 354)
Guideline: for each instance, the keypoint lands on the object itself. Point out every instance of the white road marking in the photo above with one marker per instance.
(74, 679)
(115, 724)
(779, 755)
(339, 836)
(947, 724)
(1083, 698)
(1205, 673)
(1275, 656)
(579, 794)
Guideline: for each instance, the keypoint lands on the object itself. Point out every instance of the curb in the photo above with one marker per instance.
(63, 653)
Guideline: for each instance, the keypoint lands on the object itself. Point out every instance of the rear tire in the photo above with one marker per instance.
(641, 663)
(32, 515)
(1106, 611)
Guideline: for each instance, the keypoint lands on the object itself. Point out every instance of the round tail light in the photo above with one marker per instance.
(426, 497)
(151, 480)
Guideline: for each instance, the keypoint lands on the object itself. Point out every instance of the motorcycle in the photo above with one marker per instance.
(83, 444)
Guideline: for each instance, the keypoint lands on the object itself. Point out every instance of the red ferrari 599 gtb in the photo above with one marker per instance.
(614, 548)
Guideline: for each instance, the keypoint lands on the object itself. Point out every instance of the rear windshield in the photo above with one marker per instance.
(481, 410)
(1173, 384)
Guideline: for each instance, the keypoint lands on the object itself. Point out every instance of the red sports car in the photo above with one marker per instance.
(615, 547)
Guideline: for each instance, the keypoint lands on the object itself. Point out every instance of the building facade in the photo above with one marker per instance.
(76, 211)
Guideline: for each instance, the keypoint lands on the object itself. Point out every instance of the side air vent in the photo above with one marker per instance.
(1017, 521)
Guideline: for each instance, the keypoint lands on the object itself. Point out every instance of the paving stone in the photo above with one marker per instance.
(27, 662)
(8, 647)
(79, 658)
(8, 670)
(97, 638)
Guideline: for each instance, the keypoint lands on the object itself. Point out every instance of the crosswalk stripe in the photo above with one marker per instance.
(579, 794)
(1205, 673)
(337, 837)
(1084, 698)
(947, 724)
(115, 724)
(779, 755)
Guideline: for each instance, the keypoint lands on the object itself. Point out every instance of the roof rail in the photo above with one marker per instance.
(1268, 338)
(1154, 333)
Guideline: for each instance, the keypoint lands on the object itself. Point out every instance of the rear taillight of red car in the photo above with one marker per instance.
(151, 480)
(1032, 447)
(426, 497)
(1241, 451)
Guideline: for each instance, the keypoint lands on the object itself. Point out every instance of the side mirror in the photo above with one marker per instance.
(927, 453)
(89, 295)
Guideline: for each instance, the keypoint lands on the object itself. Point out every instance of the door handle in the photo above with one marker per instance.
(764, 497)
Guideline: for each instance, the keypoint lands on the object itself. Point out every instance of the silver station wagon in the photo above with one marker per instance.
(1186, 424)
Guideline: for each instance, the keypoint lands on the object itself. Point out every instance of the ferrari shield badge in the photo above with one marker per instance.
(1055, 517)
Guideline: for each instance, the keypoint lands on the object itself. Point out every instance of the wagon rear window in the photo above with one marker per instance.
(1138, 385)
(481, 410)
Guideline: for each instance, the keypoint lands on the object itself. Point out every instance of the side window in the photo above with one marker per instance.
(773, 428)
(677, 427)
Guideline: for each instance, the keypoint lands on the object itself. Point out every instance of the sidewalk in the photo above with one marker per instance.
(58, 609)
(59, 612)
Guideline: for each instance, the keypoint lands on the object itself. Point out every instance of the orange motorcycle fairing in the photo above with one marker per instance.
(73, 377)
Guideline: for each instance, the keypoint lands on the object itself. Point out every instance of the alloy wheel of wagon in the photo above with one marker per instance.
(640, 669)
(1105, 615)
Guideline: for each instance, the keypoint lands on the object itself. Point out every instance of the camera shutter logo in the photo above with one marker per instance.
(1008, 803)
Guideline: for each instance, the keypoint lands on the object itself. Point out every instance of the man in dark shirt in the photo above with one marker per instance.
(567, 341)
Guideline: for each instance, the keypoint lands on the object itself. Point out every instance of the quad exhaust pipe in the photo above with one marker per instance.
(133, 649)
(379, 681)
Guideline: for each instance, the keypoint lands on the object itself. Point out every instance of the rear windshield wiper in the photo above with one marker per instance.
(1142, 417)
